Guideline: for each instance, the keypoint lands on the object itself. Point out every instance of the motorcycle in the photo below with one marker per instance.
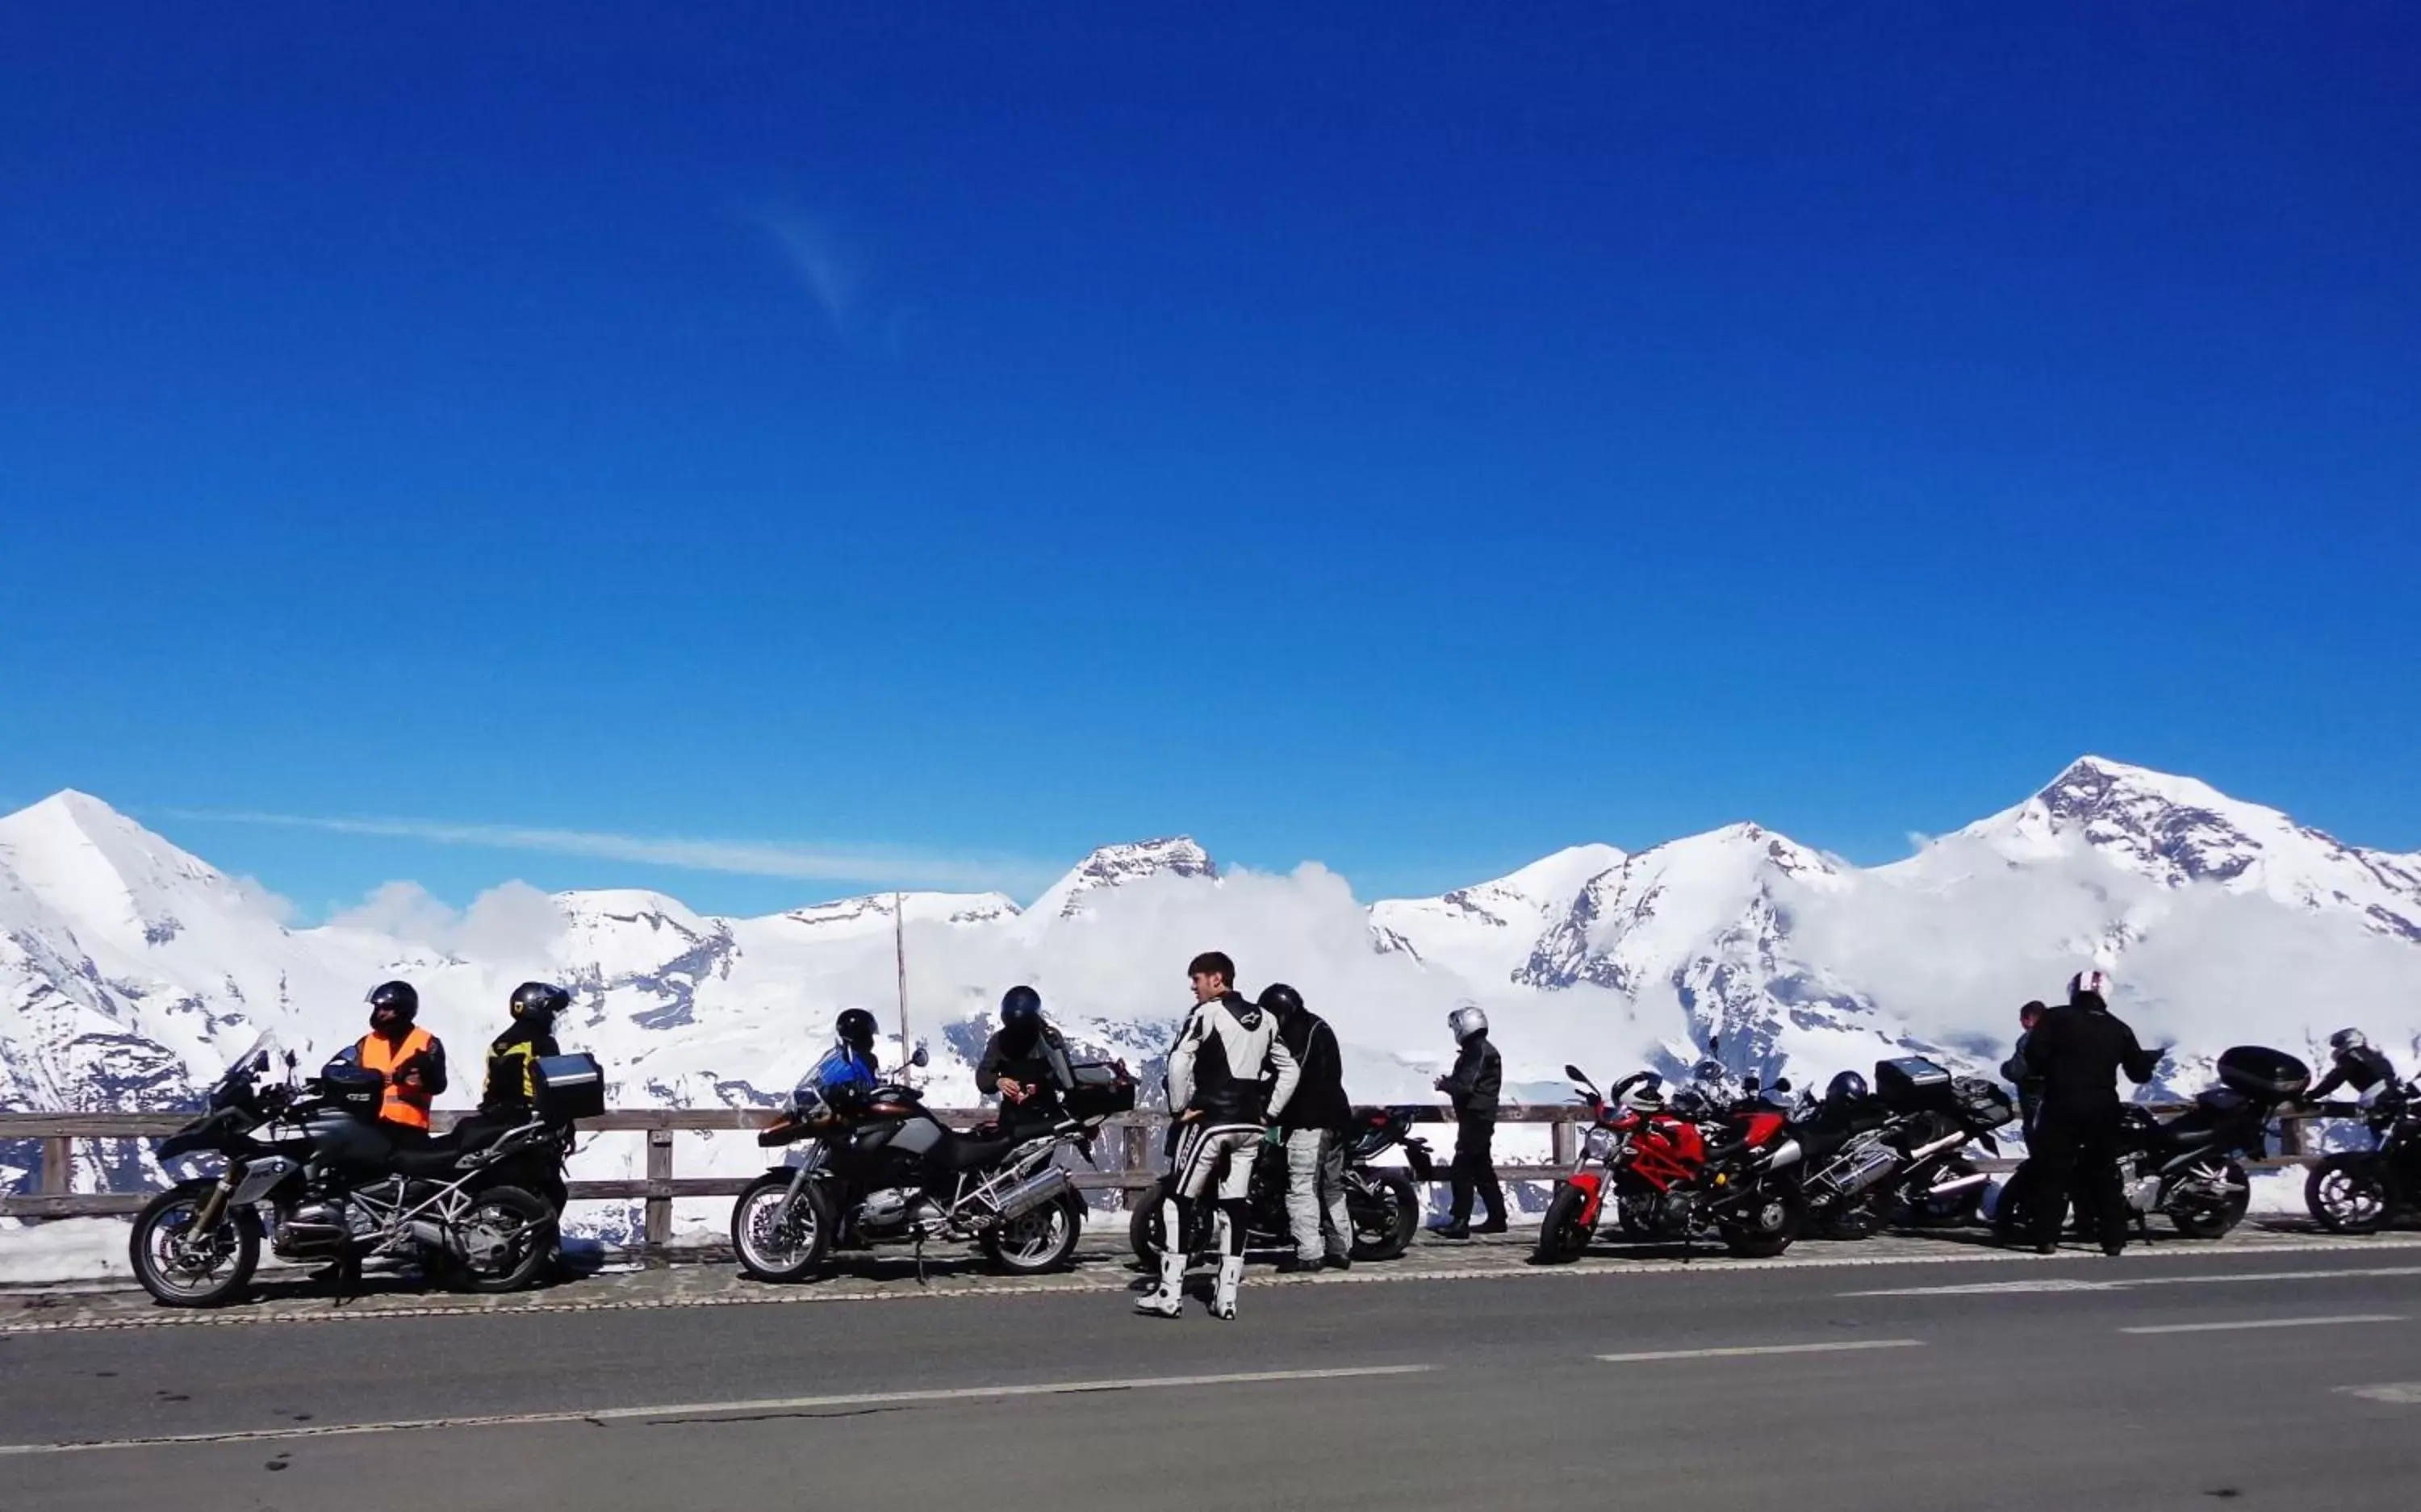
(309, 1169)
(1711, 1163)
(1384, 1204)
(2187, 1168)
(879, 1169)
(2361, 1192)
(1894, 1156)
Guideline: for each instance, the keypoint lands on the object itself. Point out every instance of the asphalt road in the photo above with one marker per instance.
(2154, 1381)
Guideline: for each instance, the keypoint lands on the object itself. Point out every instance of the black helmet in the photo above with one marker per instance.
(855, 1028)
(2346, 1041)
(1019, 1007)
(400, 997)
(1847, 1087)
(540, 1001)
(1279, 999)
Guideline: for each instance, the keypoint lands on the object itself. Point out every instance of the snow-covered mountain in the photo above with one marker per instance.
(131, 970)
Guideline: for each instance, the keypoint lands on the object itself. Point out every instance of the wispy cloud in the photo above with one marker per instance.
(832, 264)
(870, 864)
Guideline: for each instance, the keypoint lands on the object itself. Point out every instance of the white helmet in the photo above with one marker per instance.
(2349, 1039)
(1467, 1021)
(2096, 982)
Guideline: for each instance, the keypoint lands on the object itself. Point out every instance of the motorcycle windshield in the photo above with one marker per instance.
(255, 1060)
(838, 1068)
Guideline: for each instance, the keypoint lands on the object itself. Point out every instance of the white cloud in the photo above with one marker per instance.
(872, 865)
(833, 265)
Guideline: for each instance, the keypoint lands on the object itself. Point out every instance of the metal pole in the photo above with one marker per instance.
(899, 954)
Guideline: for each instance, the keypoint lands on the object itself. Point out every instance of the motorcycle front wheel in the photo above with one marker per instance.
(2210, 1215)
(508, 1236)
(1562, 1235)
(182, 1268)
(2348, 1193)
(1386, 1212)
(1043, 1240)
(771, 1246)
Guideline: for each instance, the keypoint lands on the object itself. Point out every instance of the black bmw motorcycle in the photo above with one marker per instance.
(879, 1169)
(1894, 1156)
(1385, 1203)
(308, 1168)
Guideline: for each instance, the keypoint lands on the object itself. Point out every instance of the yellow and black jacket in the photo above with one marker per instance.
(513, 1084)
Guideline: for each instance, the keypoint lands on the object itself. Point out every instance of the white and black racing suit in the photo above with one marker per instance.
(1229, 1075)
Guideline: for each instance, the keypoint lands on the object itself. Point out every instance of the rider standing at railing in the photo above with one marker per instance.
(2079, 1051)
(1025, 1065)
(409, 1058)
(1229, 1075)
(2354, 1064)
(1472, 1087)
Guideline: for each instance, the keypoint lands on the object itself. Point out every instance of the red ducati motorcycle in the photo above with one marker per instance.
(1702, 1165)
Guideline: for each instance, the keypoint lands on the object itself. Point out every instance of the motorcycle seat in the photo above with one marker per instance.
(965, 1154)
(423, 1164)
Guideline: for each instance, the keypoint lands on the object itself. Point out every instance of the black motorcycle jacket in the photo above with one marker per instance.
(1229, 1066)
(2360, 1069)
(1320, 1100)
(1039, 1062)
(512, 1078)
(2079, 1053)
(1477, 1077)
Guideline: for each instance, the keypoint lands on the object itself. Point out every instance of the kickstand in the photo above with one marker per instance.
(920, 1260)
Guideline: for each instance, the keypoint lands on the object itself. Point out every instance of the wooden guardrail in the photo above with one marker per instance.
(1128, 1151)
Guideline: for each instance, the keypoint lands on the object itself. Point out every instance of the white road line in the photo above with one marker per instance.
(716, 1410)
(2266, 1322)
(2402, 1392)
(2126, 1283)
(1739, 1349)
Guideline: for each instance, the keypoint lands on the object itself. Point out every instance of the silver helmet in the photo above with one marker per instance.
(2345, 1040)
(1467, 1021)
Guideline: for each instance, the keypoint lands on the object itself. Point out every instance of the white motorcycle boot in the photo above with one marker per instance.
(1167, 1300)
(1232, 1276)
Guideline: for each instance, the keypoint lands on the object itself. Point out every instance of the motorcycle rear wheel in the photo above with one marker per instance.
(1393, 1214)
(2348, 1193)
(1562, 1235)
(1044, 1240)
(177, 1279)
(802, 1243)
(513, 1236)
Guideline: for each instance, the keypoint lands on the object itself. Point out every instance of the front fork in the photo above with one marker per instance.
(214, 1206)
(809, 1166)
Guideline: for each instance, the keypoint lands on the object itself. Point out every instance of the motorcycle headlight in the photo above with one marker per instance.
(1598, 1143)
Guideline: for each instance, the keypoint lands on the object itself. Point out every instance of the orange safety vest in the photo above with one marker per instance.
(408, 1106)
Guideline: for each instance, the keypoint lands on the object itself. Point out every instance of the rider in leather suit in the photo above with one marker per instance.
(1229, 1075)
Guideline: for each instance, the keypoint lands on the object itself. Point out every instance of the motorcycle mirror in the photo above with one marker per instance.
(1715, 1045)
(921, 1057)
(1782, 1083)
(291, 1061)
(1580, 1076)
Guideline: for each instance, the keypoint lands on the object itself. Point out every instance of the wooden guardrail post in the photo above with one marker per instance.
(660, 1168)
(59, 1163)
(1566, 1141)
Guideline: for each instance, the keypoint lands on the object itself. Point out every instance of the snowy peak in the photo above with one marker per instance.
(877, 910)
(112, 875)
(1114, 865)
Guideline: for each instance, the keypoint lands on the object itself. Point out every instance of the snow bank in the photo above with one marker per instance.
(71, 1249)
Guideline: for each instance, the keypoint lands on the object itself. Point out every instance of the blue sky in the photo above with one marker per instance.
(923, 447)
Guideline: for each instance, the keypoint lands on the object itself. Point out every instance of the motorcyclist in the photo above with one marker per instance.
(511, 1088)
(1229, 1074)
(2078, 1051)
(2354, 1062)
(1025, 1064)
(850, 1067)
(1315, 1123)
(1473, 1086)
(409, 1059)
(2017, 1074)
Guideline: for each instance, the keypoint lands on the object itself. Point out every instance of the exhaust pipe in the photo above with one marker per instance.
(1044, 1187)
(437, 1236)
(1962, 1183)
